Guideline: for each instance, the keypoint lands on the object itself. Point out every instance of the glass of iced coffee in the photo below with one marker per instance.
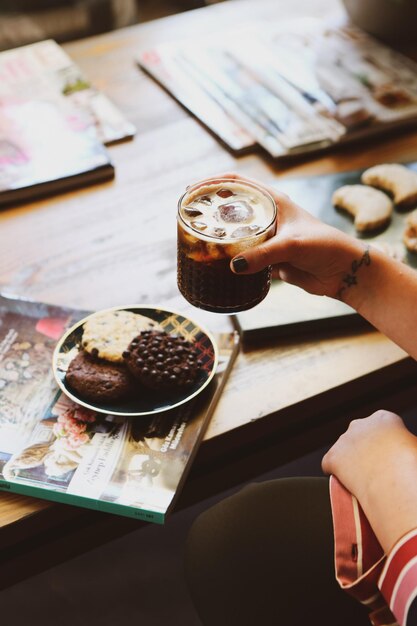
(216, 222)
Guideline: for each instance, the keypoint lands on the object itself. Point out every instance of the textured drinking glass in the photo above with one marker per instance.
(216, 222)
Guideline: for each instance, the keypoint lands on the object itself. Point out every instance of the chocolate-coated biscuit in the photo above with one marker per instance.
(97, 380)
(162, 362)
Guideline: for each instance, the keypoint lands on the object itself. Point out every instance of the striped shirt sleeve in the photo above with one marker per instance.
(359, 558)
(398, 580)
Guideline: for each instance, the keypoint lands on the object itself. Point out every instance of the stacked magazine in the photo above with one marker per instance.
(54, 449)
(44, 71)
(288, 87)
(53, 124)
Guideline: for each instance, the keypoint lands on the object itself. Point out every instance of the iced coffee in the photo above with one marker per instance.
(216, 222)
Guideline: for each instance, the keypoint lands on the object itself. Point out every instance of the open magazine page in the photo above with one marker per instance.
(52, 448)
(44, 70)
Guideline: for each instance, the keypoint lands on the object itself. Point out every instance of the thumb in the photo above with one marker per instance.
(255, 259)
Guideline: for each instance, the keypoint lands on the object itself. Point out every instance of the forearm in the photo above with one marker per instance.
(384, 292)
(390, 502)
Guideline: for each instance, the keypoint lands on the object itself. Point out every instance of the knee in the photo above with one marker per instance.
(215, 562)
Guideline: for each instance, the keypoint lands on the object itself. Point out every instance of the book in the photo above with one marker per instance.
(288, 87)
(44, 70)
(54, 449)
(288, 310)
(46, 147)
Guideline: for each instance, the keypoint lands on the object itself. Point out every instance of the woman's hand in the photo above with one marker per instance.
(327, 262)
(304, 251)
(376, 460)
(367, 449)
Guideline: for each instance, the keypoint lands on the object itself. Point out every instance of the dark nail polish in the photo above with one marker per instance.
(240, 264)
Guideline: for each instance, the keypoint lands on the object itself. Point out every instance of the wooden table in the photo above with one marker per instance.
(115, 244)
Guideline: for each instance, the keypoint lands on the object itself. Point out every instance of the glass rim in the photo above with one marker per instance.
(228, 239)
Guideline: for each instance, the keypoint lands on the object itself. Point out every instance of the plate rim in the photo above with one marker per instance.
(139, 307)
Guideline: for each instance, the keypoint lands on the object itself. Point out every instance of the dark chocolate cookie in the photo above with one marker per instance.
(98, 381)
(162, 362)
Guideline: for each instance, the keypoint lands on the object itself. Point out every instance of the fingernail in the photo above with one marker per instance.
(240, 264)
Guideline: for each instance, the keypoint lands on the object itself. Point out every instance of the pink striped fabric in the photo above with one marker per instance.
(398, 581)
(359, 558)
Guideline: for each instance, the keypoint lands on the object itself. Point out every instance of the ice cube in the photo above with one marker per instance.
(214, 251)
(204, 200)
(239, 211)
(198, 225)
(225, 193)
(219, 232)
(190, 211)
(245, 231)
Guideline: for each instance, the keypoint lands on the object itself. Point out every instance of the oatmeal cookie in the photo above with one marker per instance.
(107, 334)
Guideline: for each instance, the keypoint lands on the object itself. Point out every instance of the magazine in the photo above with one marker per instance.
(54, 449)
(45, 147)
(290, 87)
(43, 70)
(289, 311)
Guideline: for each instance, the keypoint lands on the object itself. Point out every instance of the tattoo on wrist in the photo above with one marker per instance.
(351, 278)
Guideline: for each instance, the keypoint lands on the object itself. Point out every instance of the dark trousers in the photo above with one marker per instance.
(265, 557)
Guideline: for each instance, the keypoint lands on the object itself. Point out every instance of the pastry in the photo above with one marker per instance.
(106, 335)
(397, 180)
(410, 233)
(370, 208)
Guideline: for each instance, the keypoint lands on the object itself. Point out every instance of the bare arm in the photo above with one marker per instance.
(324, 261)
(386, 295)
(376, 459)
